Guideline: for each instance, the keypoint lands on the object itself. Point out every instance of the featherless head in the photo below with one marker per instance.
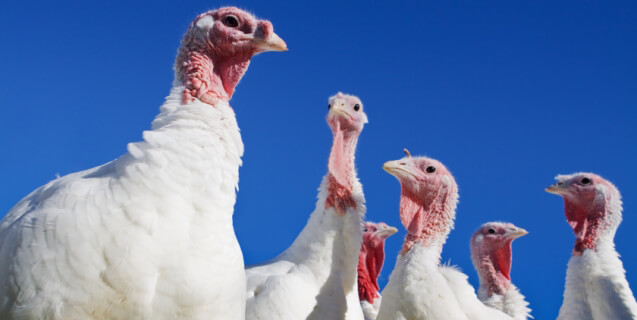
(492, 255)
(345, 112)
(216, 50)
(429, 196)
(592, 206)
(229, 30)
(376, 233)
(424, 177)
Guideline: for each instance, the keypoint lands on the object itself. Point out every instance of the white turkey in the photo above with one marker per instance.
(596, 286)
(419, 288)
(148, 235)
(316, 277)
(492, 257)
(370, 264)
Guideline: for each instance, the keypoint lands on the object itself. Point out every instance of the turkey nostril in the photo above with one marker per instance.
(560, 183)
(402, 163)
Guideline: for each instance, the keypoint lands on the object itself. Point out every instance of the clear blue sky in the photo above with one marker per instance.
(506, 93)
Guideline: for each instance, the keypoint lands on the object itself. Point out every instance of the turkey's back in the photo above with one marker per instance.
(146, 236)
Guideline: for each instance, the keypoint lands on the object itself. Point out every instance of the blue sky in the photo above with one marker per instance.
(507, 94)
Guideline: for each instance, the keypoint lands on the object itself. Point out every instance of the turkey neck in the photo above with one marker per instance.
(494, 269)
(590, 225)
(433, 215)
(341, 172)
(331, 240)
(206, 75)
(369, 265)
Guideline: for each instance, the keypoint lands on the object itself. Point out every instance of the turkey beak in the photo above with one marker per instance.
(516, 232)
(266, 39)
(557, 188)
(336, 110)
(386, 231)
(398, 169)
(273, 43)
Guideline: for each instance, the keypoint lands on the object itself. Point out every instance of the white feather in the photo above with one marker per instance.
(596, 286)
(512, 302)
(420, 289)
(316, 277)
(146, 236)
(370, 311)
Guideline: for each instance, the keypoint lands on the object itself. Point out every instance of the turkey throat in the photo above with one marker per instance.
(428, 217)
(370, 263)
(341, 171)
(495, 269)
(587, 222)
(208, 76)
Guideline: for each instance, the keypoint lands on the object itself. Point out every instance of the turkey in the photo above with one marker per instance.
(492, 257)
(596, 286)
(148, 235)
(316, 277)
(370, 263)
(419, 288)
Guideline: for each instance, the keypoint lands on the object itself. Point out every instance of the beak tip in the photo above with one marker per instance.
(553, 190)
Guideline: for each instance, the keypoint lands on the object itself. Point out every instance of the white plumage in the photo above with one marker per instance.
(512, 302)
(136, 238)
(596, 287)
(148, 235)
(370, 310)
(316, 277)
(421, 289)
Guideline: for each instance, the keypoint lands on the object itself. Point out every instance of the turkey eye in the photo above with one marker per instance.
(231, 21)
(586, 180)
(329, 106)
(491, 231)
(430, 169)
(364, 229)
(357, 107)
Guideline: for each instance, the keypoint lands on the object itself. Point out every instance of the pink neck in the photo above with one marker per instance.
(370, 263)
(207, 77)
(586, 223)
(494, 269)
(426, 220)
(341, 171)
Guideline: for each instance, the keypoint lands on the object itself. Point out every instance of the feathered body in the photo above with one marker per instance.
(316, 278)
(370, 310)
(137, 238)
(131, 239)
(512, 302)
(419, 288)
(596, 286)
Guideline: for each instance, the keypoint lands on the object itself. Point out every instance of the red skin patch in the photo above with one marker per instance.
(425, 217)
(495, 268)
(370, 263)
(200, 81)
(585, 222)
(341, 171)
(211, 81)
(339, 196)
(211, 64)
